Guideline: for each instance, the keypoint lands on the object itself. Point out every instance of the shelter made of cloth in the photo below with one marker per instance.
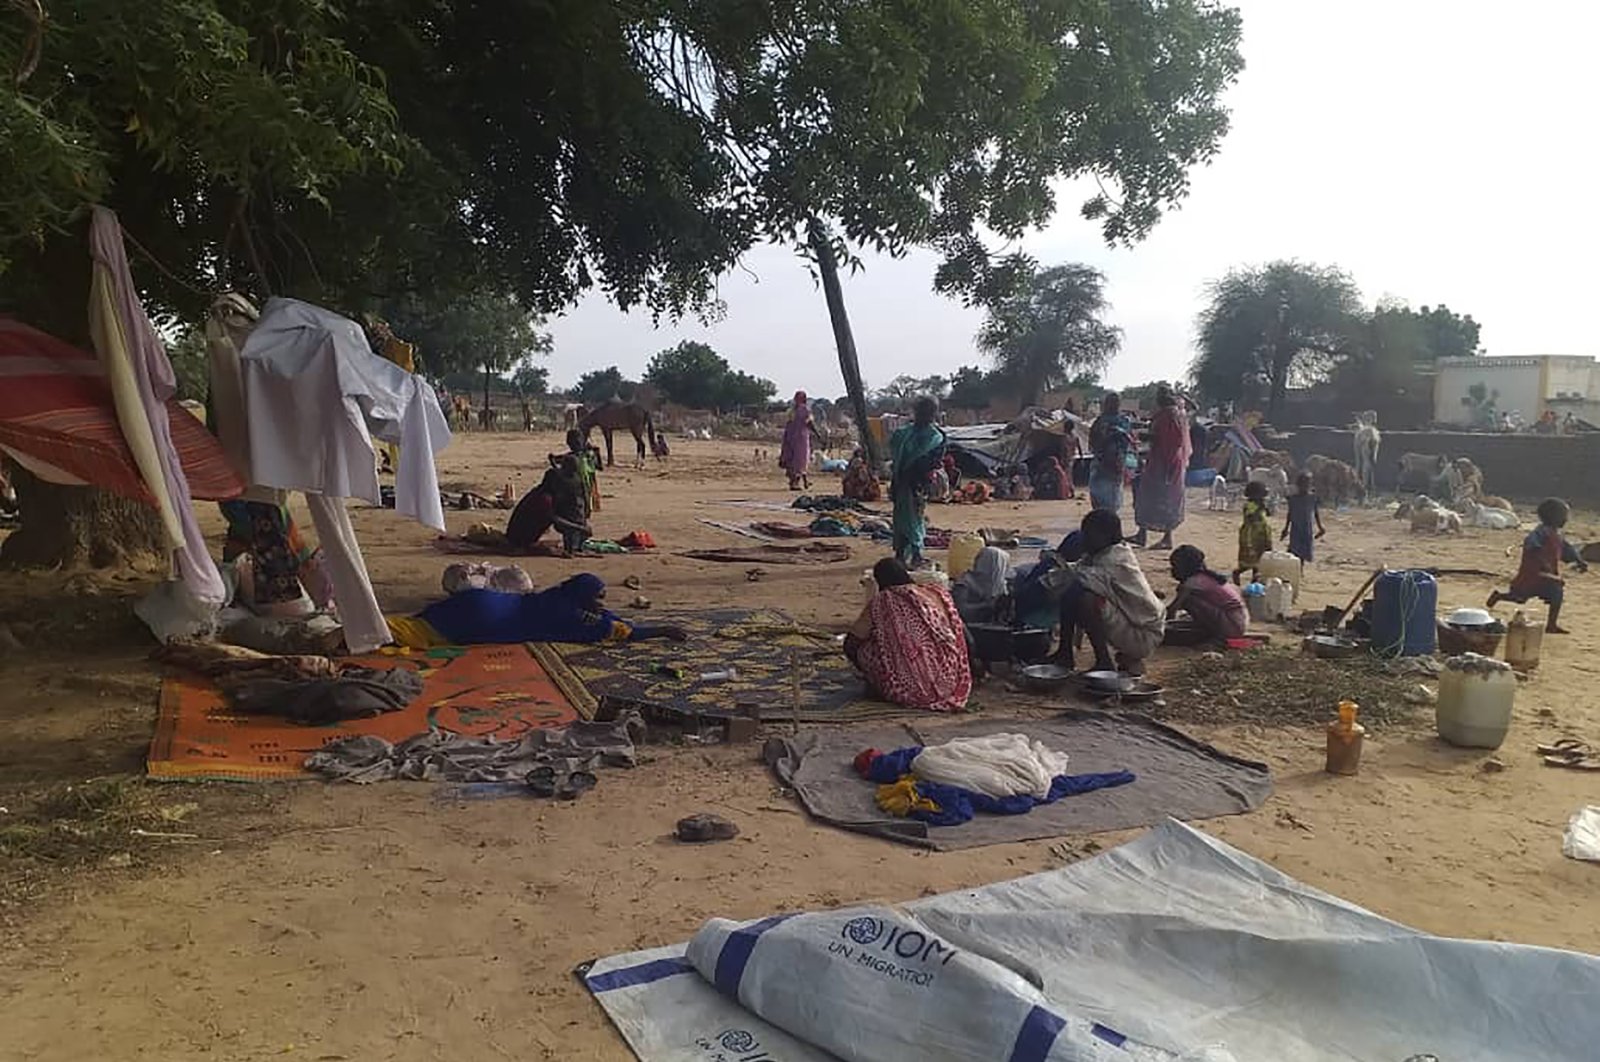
(58, 421)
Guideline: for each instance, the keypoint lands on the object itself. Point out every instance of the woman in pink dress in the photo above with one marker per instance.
(795, 457)
(910, 644)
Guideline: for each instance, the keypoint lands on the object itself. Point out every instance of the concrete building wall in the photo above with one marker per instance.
(1518, 384)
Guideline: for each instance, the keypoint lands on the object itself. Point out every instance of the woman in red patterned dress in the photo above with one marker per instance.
(910, 644)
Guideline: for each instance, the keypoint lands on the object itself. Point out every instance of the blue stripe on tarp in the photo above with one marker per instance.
(1110, 1036)
(735, 954)
(643, 974)
(1037, 1035)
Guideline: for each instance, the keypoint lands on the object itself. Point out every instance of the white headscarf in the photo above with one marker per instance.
(985, 582)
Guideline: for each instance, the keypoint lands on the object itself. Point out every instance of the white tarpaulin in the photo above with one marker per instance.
(1176, 942)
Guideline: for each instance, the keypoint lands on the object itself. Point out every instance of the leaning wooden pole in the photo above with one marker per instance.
(828, 267)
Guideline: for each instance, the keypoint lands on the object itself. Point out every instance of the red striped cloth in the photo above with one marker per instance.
(56, 407)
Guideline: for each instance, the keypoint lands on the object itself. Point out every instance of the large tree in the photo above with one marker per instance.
(1282, 323)
(900, 123)
(377, 149)
(1049, 330)
(487, 333)
(694, 375)
(602, 385)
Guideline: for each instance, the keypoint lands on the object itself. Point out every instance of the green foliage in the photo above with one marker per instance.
(1048, 330)
(602, 385)
(531, 380)
(900, 392)
(474, 333)
(971, 388)
(1281, 323)
(693, 374)
(190, 364)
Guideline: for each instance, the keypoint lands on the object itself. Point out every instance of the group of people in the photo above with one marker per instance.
(1158, 482)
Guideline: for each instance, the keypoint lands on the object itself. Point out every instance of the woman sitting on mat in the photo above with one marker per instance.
(1214, 606)
(909, 643)
(572, 612)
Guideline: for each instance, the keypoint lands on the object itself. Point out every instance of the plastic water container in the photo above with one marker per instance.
(1286, 566)
(1476, 695)
(964, 549)
(1403, 608)
(1524, 637)
(1279, 597)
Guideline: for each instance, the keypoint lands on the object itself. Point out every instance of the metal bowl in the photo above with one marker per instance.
(1045, 678)
(1111, 681)
(1331, 646)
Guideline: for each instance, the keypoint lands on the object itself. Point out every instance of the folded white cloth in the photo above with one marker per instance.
(999, 765)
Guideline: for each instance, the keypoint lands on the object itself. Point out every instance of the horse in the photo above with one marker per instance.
(612, 415)
(461, 406)
(1367, 440)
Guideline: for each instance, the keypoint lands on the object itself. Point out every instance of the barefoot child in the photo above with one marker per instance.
(1539, 575)
(1255, 534)
(1304, 512)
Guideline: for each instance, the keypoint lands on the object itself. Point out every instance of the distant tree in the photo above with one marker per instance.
(1449, 335)
(903, 390)
(1048, 330)
(693, 374)
(1284, 322)
(485, 333)
(1481, 403)
(601, 385)
(531, 380)
(1143, 395)
(739, 389)
(971, 388)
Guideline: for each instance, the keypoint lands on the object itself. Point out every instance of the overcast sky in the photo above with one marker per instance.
(1439, 151)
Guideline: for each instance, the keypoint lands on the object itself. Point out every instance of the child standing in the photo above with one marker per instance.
(1304, 512)
(1255, 534)
(1539, 574)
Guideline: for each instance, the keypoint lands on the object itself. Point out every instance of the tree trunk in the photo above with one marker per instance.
(828, 266)
(1279, 387)
(69, 527)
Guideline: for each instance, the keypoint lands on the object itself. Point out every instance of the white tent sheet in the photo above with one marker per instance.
(1181, 942)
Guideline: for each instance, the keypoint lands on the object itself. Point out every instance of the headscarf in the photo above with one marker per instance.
(985, 582)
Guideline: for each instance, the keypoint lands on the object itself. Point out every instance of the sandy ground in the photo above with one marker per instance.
(378, 923)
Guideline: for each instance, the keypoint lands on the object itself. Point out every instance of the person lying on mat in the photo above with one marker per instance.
(1214, 610)
(909, 643)
(558, 501)
(571, 612)
(1110, 600)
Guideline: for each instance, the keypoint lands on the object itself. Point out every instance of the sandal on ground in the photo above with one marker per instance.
(1574, 763)
(1566, 748)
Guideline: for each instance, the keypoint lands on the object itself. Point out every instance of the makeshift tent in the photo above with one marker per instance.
(58, 421)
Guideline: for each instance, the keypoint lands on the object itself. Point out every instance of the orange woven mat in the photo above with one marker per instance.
(477, 690)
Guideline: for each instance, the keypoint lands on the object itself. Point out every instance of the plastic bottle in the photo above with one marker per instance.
(1523, 640)
(1344, 740)
(720, 676)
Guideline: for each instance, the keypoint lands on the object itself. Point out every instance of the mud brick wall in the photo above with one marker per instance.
(1520, 467)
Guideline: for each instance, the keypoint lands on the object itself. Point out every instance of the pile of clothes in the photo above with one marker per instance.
(1001, 774)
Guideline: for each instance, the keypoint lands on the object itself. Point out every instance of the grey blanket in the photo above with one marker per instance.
(355, 693)
(1178, 777)
(548, 758)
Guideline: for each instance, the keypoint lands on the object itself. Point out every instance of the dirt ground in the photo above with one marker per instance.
(321, 923)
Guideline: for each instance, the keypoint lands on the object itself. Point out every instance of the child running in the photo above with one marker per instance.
(1539, 575)
(1303, 513)
(1255, 534)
